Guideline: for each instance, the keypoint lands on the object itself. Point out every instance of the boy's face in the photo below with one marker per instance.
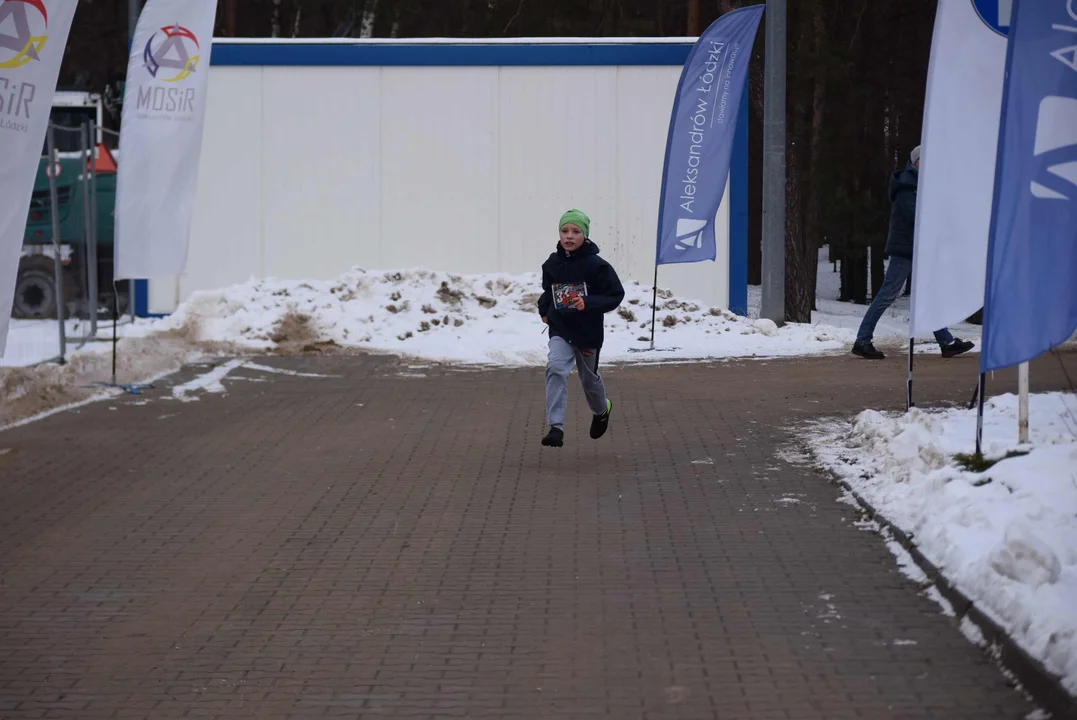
(571, 237)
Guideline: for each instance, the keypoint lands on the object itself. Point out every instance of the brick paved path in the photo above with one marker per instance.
(394, 542)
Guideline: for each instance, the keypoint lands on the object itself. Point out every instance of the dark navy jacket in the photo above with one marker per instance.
(604, 293)
(903, 213)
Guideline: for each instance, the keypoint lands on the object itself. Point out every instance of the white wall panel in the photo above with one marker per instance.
(644, 101)
(558, 151)
(226, 235)
(439, 185)
(320, 170)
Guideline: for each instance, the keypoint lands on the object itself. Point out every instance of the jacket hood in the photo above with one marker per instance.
(904, 180)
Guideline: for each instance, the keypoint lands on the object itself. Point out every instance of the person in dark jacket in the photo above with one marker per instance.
(578, 287)
(899, 245)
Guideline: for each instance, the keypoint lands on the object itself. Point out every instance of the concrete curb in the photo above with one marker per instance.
(1044, 687)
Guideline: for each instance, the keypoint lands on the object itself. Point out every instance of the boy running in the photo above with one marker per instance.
(578, 287)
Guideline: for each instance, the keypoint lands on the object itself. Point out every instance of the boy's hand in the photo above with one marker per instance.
(577, 302)
(544, 320)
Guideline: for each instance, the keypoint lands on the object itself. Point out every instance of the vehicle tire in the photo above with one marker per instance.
(35, 289)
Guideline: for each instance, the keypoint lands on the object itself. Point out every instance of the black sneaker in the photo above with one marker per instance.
(554, 438)
(867, 351)
(600, 423)
(957, 347)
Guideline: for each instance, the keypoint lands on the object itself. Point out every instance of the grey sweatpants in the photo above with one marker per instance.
(558, 366)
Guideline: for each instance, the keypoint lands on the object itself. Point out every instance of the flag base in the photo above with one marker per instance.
(131, 389)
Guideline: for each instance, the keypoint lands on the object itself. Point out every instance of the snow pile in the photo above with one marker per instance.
(1006, 537)
(479, 319)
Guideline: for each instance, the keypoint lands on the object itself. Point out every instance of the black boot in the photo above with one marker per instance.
(957, 347)
(600, 423)
(867, 351)
(554, 438)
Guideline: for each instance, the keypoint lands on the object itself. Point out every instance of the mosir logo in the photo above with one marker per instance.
(172, 53)
(1056, 149)
(19, 20)
(171, 56)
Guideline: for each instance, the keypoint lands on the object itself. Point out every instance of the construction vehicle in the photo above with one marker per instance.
(86, 201)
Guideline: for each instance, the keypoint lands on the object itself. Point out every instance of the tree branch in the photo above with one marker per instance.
(519, 9)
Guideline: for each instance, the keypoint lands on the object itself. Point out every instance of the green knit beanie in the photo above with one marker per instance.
(578, 219)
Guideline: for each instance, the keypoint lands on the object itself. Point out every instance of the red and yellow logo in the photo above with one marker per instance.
(25, 45)
(172, 53)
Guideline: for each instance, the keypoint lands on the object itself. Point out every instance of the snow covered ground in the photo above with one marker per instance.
(491, 319)
(1006, 537)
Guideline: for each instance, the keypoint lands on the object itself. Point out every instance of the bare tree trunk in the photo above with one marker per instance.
(274, 24)
(693, 18)
(465, 18)
(230, 17)
(798, 297)
(815, 198)
(519, 9)
(298, 15)
(366, 25)
(801, 255)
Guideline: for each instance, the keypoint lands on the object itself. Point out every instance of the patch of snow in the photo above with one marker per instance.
(972, 632)
(1007, 537)
(906, 565)
(281, 371)
(939, 599)
(208, 382)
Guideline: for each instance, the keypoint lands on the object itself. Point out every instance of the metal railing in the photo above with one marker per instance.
(77, 297)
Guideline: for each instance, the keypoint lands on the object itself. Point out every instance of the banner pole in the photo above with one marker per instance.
(54, 212)
(980, 416)
(86, 138)
(654, 303)
(1022, 403)
(908, 383)
(115, 319)
(95, 263)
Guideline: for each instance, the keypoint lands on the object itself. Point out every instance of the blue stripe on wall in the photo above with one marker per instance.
(444, 55)
(142, 298)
